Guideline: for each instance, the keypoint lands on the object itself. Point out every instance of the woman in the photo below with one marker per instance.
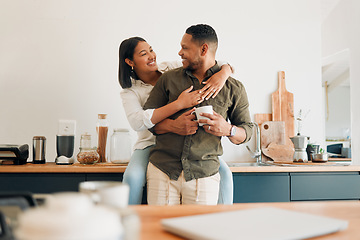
(138, 73)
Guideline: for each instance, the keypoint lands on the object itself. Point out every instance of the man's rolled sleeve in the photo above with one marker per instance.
(239, 115)
(248, 129)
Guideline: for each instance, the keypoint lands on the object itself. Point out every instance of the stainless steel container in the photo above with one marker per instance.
(320, 157)
(39, 147)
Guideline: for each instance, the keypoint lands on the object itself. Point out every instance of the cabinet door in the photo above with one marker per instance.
(325, 186)
(40, 182)
(261, 187)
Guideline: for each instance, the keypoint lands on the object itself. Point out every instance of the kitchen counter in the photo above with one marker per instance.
(150, 216)
(120, 168)
(51, 167)
(293, 168)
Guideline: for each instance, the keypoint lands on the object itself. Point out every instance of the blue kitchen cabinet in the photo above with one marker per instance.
(325, 186)
(248, 187)
(261, 187)
(40, 182)
(51, 182)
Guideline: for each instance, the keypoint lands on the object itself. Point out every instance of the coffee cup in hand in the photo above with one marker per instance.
(204, 109)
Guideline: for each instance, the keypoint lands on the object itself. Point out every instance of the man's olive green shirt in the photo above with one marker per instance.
(197, 154)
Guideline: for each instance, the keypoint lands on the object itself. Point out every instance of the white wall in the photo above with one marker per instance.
(340, 31)
(59, 59)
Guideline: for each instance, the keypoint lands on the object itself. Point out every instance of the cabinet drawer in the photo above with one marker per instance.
(261, 187)
(325, 186)
(40, 182)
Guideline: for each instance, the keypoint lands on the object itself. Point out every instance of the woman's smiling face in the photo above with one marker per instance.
(144, 59)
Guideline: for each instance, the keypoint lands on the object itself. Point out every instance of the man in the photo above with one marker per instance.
(184, 164)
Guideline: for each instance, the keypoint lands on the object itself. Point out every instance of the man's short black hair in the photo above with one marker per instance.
(203, 33)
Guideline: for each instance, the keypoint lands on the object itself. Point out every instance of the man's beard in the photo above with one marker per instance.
(194, 65)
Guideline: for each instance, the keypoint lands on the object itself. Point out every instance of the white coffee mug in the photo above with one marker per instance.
(203, 109)
(110, 193)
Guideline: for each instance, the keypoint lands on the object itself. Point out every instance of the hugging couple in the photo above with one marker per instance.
(176, 157)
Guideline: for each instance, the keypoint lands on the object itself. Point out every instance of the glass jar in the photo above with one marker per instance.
(120, 146)
(87, 154)
(102, 127)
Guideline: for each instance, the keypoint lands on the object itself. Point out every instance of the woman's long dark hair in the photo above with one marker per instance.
(126, 50)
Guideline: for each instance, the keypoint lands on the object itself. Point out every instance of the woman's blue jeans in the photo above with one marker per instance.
(135, 177)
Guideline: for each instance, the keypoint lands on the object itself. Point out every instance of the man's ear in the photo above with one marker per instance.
(204, 49)
(129, 62)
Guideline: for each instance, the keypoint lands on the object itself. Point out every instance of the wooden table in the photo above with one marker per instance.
(150, 216)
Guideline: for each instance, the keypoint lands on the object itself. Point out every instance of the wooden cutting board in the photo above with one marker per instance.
(283, 106)
(260, 118)
(279, 153)
(275, 145)
(271, 132)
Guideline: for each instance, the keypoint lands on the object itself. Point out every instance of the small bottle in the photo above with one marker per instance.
(87, 154)
(102, 127)
(120, 146)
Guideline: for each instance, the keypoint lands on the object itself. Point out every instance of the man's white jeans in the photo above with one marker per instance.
(163, 191)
